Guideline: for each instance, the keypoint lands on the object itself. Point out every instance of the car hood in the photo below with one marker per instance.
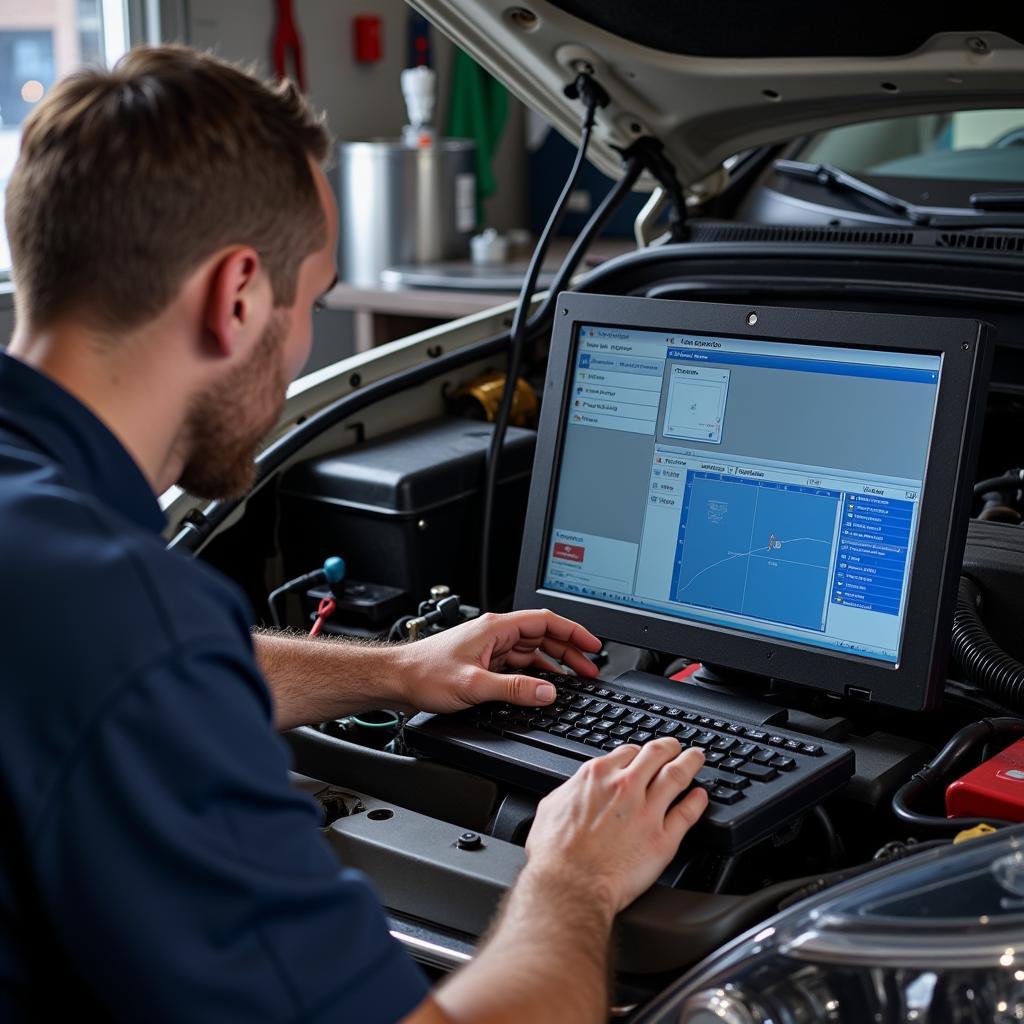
(711, 78)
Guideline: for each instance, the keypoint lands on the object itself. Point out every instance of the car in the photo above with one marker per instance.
(801, 149)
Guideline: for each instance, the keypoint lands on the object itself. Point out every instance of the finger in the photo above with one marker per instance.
(681, 818)
(675, 776)
(653, 756)
(540, 622)
(514, 688)
(523, 659)
(570, 656)
(620, 757)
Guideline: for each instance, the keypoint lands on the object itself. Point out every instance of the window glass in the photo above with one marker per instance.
(965, 145)
(40, 40)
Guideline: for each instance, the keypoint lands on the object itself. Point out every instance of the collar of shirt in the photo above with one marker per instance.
(93, 460)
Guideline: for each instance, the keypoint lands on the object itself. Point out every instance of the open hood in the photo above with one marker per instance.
(711, 78)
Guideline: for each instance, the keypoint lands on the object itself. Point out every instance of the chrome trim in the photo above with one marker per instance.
(441, 956)
(431, 952)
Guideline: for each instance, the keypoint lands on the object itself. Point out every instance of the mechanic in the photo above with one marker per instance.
(171, 231)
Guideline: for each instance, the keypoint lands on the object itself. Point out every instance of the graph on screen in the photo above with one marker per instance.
(756, 547)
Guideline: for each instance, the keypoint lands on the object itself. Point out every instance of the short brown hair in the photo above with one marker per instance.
(128, 179)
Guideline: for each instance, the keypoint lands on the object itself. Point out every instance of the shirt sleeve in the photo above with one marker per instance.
(186, 880)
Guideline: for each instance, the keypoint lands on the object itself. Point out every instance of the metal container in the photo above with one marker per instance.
(403, 205)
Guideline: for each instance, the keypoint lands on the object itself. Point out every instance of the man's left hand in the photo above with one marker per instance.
(463, 666)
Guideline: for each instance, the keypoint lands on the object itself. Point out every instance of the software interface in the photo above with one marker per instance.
(764, 486)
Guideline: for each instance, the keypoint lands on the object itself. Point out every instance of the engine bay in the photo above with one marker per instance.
(394, 487)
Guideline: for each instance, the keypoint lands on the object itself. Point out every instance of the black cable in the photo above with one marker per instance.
(520, 324)
(835, 846)
(611, 202)
(941, 766)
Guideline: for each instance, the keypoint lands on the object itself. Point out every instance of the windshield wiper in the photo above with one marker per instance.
(834, 177)
(999, 199)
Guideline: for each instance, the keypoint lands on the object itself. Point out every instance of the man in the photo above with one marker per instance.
(171, 231)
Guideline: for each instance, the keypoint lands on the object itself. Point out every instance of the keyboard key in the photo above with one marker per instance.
(578, 734)
(581, 703)
(758, 772)
(597, 739)
(635, 702)
(736, 730)
(714, 757)
(559, 730)
(812, 749)
(602, 693)
(731, 780)
(703, 739)
(718, 724)
(613, 744)
(650, 722)
(668, 728)
(704, 720)
(656, 709)
(586, 721)
(721, 795)
(745, 750)
(641, 736)
(777, 741)
(598, 707)
(544, 722)
(673, 712)
(614, 713)
(622, 730)
(762, 756)
(793, 745)
(732, 763)
(757, 734)
(687, 734)
(620, 697)
(723, 743)
(783, 763)
(633, 718)
(605, 725)
(691, 716)
(588, 688)
(570, 716)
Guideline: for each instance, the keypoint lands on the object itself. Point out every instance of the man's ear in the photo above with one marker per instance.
(232, 300)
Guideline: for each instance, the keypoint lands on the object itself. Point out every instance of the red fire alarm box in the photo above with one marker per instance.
(995, 789)
(366, 38)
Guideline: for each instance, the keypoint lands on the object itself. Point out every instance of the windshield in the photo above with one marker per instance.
(967, 145)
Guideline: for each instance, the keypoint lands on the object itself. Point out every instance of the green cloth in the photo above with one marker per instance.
(477, 110)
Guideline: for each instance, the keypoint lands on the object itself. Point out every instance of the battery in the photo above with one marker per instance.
(995, 789)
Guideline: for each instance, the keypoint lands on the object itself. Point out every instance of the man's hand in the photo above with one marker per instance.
(597, 843)
(461, 666)
(613, 824)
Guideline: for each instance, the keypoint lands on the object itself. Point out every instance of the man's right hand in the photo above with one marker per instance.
(598, 841)
(613, 822)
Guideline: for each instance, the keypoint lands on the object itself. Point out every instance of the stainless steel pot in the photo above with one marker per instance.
(401, 205)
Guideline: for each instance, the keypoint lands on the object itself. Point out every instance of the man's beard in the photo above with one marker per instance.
(228, 421)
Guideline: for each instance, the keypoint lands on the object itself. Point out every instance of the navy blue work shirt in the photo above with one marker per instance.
(155, 864)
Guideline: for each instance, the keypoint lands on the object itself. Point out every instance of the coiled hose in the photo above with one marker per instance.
(941, 767)
(983, 662)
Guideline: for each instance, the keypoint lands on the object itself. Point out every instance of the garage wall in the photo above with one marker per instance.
(360, 101)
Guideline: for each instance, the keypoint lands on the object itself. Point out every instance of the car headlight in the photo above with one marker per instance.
(935, 939)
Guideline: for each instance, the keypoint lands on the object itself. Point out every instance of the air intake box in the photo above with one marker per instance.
(406, 509)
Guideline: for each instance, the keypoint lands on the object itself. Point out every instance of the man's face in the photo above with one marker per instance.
(229, 420)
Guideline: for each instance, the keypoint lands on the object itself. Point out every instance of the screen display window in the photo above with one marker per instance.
(769, 487)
